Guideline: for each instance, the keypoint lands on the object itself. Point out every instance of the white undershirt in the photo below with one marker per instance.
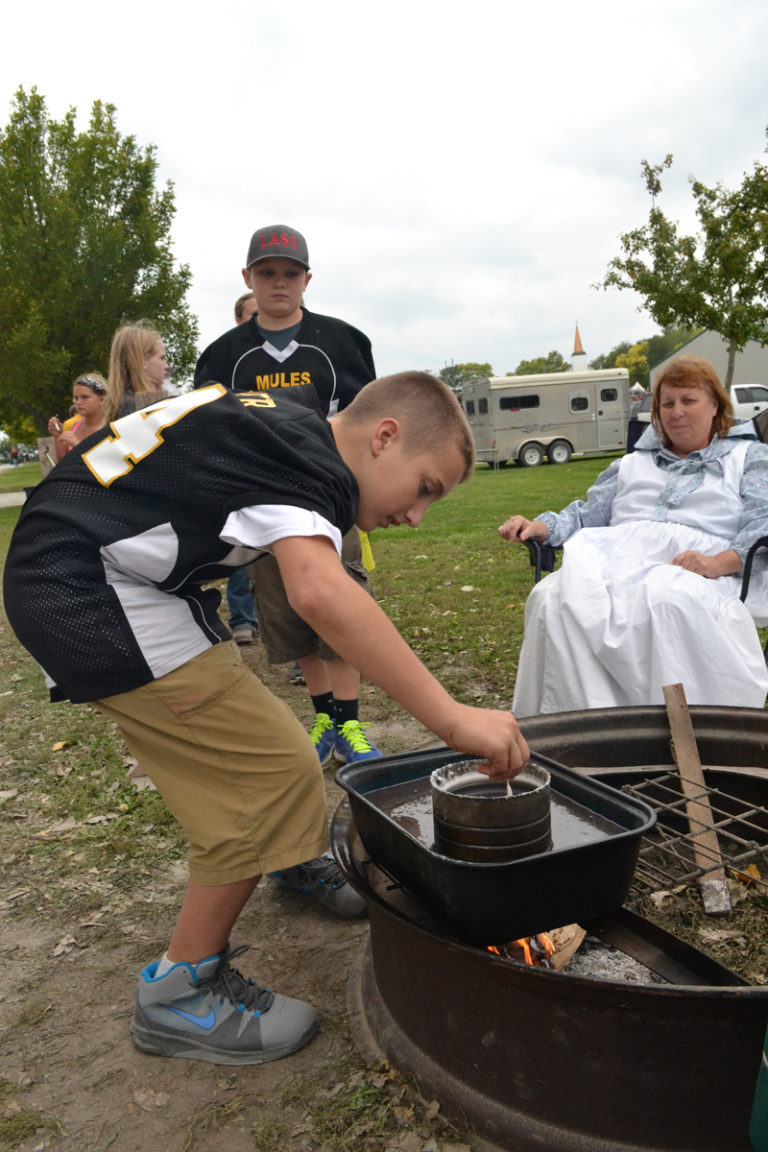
(260, 525)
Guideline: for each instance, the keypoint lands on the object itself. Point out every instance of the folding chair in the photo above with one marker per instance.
(760, 423)
(761, 543)
(543, 558)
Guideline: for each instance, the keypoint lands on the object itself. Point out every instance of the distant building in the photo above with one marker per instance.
(750, 366)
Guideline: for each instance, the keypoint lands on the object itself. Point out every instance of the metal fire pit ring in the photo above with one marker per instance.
(542, 1061)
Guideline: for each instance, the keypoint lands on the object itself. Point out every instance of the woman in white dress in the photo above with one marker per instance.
(648, 591)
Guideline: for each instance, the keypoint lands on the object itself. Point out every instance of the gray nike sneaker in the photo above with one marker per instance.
(323, 880)
(210, 1012)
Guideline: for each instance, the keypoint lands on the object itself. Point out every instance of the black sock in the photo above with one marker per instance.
(323, 703)
(344, 710)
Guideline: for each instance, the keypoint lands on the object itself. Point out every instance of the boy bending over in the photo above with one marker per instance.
(103, 586)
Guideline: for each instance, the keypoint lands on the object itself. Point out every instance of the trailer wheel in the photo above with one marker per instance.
(559, 452)
(530, 455)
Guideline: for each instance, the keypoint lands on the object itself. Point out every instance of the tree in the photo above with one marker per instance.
(716, 280)
(553, 362)
(454, 375)
(635, 360)
(84, 246)
(609, 359)
(663, 344)
(659, 346)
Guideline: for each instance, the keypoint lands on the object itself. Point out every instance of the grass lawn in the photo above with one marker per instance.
(19, 478)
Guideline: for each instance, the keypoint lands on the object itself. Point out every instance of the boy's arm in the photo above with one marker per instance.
(348, 619)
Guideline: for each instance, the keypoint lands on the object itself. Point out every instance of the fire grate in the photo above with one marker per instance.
(672, 855)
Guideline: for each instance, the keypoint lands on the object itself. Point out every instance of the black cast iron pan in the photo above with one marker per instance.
(596, 833)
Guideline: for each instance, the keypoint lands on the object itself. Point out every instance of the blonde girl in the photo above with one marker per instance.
(138, 366)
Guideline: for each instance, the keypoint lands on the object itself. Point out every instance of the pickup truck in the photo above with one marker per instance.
(748, 400)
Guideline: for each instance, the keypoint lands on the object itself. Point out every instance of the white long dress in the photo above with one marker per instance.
(618, 621)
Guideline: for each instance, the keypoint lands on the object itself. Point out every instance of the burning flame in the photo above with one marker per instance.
(535, 951)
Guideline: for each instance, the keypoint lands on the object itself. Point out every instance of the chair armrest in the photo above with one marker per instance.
(761, 543)
(542, 558)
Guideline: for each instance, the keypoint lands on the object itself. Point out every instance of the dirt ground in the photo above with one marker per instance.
(66, 993)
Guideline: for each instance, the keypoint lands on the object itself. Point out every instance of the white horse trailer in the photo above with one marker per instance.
(557, 415)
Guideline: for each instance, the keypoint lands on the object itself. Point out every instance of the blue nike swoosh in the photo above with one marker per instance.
(206, 1022)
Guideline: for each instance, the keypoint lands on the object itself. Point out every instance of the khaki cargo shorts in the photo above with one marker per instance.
(285, 635)
(233, 764)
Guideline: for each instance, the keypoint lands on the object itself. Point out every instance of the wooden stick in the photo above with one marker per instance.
(706, 850)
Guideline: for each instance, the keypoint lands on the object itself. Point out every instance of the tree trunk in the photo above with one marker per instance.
(731, 364)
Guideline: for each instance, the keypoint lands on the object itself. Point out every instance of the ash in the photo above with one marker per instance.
(596, 960)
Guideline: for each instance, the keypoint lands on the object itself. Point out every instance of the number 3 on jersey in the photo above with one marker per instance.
(135, 436)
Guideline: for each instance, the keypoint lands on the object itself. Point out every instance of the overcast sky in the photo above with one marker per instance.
(462, 172)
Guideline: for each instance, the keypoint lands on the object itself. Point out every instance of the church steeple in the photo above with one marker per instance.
(579, 358)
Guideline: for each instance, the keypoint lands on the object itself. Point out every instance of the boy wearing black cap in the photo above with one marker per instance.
(285, 345)
(324, 362)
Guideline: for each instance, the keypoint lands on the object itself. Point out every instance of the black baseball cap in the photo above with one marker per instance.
(278, 240)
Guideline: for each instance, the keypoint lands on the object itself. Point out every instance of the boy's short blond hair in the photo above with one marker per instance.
(429, 414)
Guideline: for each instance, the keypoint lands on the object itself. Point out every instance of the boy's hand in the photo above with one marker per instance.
(492, 734)
(518, 528)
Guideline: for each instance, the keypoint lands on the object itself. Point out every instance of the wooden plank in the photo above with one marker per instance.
(706, 850)
(46, 451)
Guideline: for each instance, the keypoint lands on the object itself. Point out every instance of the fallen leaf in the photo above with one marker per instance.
(90, 921)
(65, 825)
(142, 782)
(64, 946)
(721, 935)
(147, 1099)
(408, 1142)
(57, 747)
(11, 897)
